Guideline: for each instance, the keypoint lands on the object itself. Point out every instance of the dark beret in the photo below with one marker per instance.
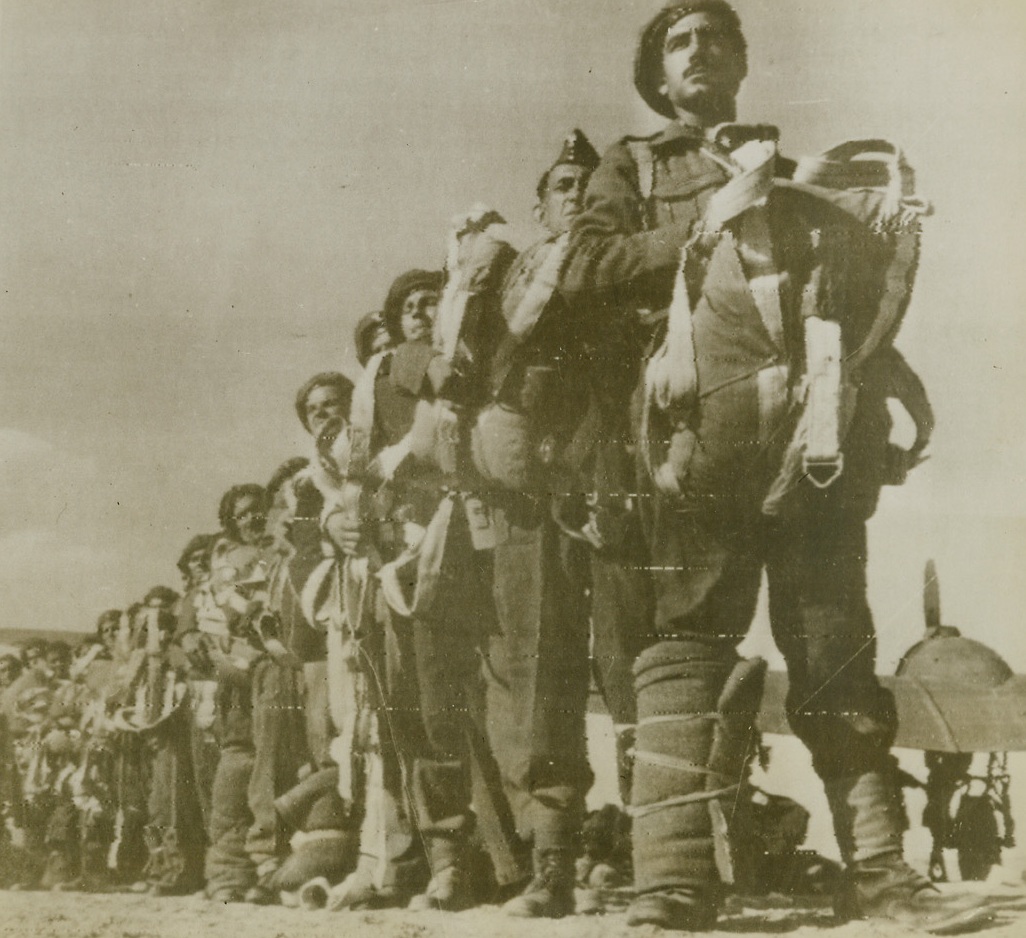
(226, 508)
(648, 63)
(402, 287)
(325, 379)
(201, 542)
(162, 596)
(283, 473)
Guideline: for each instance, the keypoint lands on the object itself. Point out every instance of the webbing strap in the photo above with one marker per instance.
(671, 374)
(452, 310)
(452, 304)
(427, 554)
(755, 248)
(320, 599)
(302, 838)
(543, 284)
(344, 707)
(823, 461)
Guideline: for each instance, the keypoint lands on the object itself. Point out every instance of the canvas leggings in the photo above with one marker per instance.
(693, 737)
(707, 572)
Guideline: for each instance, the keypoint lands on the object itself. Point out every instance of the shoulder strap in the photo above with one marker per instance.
(524, 302)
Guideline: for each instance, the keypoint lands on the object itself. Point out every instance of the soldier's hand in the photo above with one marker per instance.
(347, 532)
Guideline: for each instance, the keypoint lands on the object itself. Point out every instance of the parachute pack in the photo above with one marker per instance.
(724, 391)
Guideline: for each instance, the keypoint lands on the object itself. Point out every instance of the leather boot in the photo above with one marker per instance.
(550, 894)
(449, 887)
(878, 883)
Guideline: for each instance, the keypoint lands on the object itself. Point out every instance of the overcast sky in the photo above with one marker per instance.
(201, 198)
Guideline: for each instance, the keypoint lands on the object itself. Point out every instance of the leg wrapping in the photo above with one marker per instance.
(868, 814)
(696, 710)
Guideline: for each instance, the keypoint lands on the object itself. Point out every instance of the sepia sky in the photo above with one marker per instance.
(201, 197)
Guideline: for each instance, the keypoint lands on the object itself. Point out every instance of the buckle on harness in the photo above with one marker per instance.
(823, 472)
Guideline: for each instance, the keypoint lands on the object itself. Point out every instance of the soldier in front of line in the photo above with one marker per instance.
(753, 283)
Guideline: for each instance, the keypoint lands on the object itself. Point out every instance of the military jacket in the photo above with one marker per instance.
(627, 248)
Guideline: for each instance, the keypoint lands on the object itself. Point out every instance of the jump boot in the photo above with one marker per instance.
(550, 894)
(449, 888)
(878, 884)
(695, 739)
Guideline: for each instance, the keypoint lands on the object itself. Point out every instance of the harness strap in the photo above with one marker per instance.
(755, 248)
(671, 374)
(522, 319)
(427, 554)
(822, 459)
(543, 284)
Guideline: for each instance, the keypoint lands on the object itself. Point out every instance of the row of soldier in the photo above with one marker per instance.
(313, 707)
(567, 463)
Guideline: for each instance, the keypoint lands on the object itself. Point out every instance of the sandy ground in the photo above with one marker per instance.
(79, 915)
(70, 915)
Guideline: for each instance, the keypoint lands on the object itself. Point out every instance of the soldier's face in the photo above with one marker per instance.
(701, 65)
(109, 632)
(324, 405)
(418, 314)
(36, 661)
(59, 665)
(196, 564)
(249, 519)
(563, 199)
